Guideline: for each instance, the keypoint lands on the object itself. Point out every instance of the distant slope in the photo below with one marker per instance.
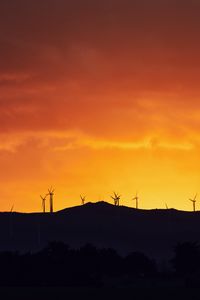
(154, 232)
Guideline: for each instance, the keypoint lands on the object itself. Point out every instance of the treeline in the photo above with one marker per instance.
(59, 265)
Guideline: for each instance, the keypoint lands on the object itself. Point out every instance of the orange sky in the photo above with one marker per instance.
(97, 96)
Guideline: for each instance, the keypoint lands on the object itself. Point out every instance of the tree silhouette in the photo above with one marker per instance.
(187, 258)
(59, 265)
(139, 264)
(110, 262)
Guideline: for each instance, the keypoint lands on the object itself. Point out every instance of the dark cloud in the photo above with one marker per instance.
(82, 61)
(130, 33)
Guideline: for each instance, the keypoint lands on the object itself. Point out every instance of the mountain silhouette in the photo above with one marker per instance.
(153, 232)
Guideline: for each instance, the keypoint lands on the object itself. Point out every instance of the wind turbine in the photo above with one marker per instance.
(51, 194)
(82, 199)
(136, 198)
(116, 198)
(194, 202)
(11, 222)
(12, 208)
(43, 203)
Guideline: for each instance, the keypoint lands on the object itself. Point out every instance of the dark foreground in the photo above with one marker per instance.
(152, 232)
(59, 272)
(98, 293)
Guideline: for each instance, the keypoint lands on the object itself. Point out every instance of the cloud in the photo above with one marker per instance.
(71, 140)
(127, 41)
(94, 85)
(109, 68)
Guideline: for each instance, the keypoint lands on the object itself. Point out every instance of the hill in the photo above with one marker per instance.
(154, 232)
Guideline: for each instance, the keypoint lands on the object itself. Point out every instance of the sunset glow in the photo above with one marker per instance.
(99, 96)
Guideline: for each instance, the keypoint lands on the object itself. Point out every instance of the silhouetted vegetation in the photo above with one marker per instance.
(186, 263)
(187, 258)
(138, 264)
(59, 265)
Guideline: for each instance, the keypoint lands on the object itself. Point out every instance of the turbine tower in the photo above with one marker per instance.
(136, 198)
(12, 208)
(194, 202)
(82, 199)
(43, 203)
(116, 198)
(51, 194)
(11, 222)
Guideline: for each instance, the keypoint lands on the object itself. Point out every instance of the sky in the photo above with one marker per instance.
(99, 96)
